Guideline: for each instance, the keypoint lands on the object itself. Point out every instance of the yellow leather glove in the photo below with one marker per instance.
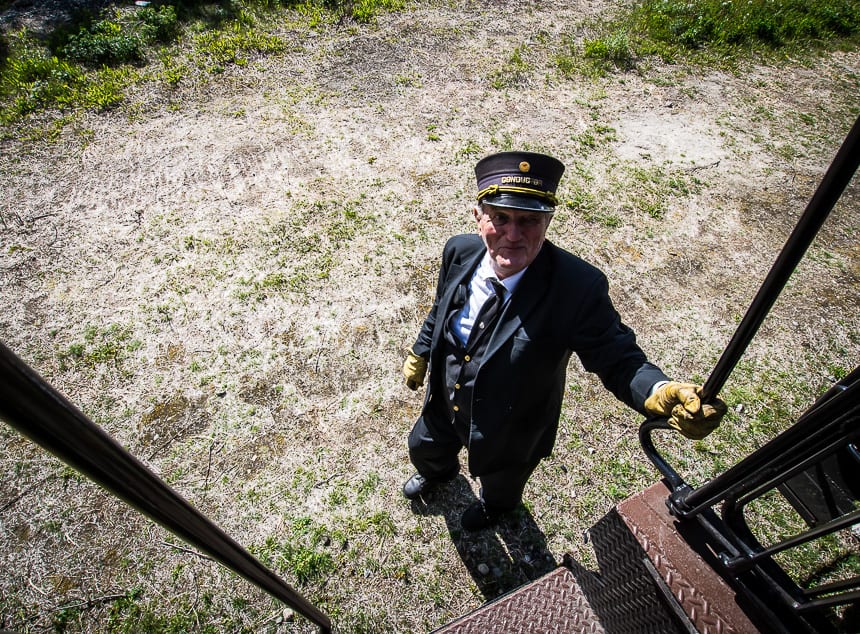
(682, 405)
(414, 369)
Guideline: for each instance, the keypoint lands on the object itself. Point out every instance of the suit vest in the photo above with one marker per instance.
(461, 367)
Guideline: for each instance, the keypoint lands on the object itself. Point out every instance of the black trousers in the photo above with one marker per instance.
(434, 445)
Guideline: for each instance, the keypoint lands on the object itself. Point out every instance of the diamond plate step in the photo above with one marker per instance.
(552, 603)
(650, 580)
(709, 602)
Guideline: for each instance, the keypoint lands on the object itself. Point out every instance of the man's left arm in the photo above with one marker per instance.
(615, 356)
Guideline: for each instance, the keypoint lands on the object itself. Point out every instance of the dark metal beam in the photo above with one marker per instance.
(38, 411)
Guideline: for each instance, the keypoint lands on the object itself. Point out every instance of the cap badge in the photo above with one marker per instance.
(525, 167)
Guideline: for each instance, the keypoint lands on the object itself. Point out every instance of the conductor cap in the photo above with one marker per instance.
(519, 180)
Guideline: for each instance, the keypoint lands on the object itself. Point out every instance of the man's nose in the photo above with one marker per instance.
(515, 232)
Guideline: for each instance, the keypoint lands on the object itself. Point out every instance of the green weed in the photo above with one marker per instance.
(583, 202)
(656, 186)
(614, 51)
(302, 552)
(728, 25)
(105, 42)
(596, 135)
(514, 72)
(68, 69)
(132, 614)
(365, 11)
(713, 32)
(158, 25)
(121, 40)
(235, 45)
(368, 486)
(34, 79)
(101, 346)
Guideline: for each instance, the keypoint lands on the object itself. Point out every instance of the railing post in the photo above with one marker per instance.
(34, 408)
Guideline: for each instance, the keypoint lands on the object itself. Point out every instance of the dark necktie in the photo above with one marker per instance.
(488, 311)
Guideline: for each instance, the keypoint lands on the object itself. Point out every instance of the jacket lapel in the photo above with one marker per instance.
(458, 274)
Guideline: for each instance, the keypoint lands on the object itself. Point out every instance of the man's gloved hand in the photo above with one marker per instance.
(414, 369)
(682, 405)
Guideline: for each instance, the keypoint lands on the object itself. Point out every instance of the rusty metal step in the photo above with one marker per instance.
(650, 579)
(709, 602)
(553, 603)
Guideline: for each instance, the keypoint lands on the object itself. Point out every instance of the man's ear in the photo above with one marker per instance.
(477, 212)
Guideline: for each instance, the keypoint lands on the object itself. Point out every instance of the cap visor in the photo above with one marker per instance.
(512, 201)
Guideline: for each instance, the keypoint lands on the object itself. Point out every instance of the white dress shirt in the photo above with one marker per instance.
(480, 290)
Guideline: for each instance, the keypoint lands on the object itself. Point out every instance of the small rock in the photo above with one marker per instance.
(483, 569)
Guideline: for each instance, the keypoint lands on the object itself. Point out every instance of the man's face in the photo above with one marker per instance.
(513, 237)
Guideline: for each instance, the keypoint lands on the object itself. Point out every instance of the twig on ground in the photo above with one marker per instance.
(90, 603)
(190, 551)
(25, 492)
(696, 168)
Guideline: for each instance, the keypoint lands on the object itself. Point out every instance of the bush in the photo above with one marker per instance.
(615, 48)
(105, 43)
(770, 22)
(158, 26)
(33, 79)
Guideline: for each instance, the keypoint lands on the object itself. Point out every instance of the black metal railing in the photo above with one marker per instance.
(814, 464)
(34, 408)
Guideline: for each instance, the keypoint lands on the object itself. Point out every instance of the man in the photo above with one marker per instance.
(497, 372)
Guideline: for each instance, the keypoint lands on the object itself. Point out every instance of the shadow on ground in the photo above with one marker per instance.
(500, 558)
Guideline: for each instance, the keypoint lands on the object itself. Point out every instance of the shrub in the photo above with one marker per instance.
(614, 48)
(105, 43)
(34, 79)
(726, 24)
(158, 26)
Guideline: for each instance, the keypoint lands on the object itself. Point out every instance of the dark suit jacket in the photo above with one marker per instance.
(560, 306)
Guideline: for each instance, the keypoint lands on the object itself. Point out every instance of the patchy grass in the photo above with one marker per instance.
(92, 62)
(224, 266)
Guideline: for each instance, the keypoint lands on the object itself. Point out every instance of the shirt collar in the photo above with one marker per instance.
(485, 271)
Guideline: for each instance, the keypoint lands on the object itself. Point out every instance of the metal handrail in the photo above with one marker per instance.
(38, 411)
(828, 192)
(829, 425)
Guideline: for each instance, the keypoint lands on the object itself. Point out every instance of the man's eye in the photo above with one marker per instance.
(532, 221)
(499, 220)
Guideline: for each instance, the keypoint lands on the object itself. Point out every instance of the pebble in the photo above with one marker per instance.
(483, 569)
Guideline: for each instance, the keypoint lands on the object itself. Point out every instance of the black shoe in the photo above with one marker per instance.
(478, 517)
(418, 485)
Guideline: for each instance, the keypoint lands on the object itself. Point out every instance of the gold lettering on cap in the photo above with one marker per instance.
(521, 180)
(525, 167)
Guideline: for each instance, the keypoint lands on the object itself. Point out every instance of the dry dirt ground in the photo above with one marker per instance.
(225, 277)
